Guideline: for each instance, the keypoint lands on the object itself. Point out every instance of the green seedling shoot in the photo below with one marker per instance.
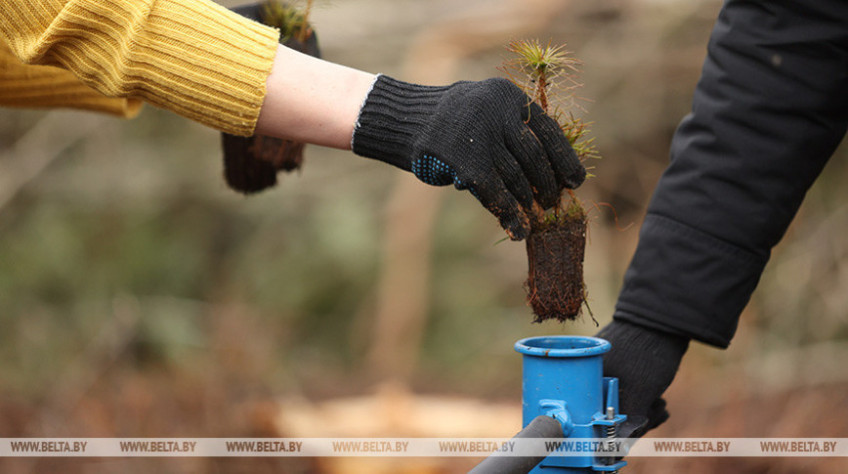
(292, 22)
(547, 74)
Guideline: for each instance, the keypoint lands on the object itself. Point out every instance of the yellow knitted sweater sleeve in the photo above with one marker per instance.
(33, 86)
(192, 57)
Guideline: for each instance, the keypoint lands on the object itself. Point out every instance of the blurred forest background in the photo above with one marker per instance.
(139, 297)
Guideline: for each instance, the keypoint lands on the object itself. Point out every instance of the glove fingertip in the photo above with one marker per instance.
(567, 166)
(633, 427)
(547, 202)
(657, 414)
(517, 225)
(576, 179)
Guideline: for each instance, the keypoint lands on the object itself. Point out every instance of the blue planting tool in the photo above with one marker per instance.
(563, 379)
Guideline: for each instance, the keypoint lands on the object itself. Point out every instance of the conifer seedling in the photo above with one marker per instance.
(557, 240)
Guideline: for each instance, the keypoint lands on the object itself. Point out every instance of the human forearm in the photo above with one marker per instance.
(313, 101)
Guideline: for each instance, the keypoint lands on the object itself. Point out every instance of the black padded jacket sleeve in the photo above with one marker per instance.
(769, 110)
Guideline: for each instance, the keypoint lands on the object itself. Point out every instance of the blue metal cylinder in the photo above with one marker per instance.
(563, 378)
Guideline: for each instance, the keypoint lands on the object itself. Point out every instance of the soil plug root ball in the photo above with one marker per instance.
(555, 288)
(251, 164)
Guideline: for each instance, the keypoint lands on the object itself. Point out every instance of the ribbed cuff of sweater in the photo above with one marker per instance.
(391, 118)
(195, 58)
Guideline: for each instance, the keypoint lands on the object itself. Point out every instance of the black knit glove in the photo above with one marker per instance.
(485, 136)
(645, 362)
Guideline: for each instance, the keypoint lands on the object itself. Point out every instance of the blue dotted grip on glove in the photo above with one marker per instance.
(435, 172)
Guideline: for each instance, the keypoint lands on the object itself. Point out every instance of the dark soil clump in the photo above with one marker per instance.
(251, 164)
(555, 250)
